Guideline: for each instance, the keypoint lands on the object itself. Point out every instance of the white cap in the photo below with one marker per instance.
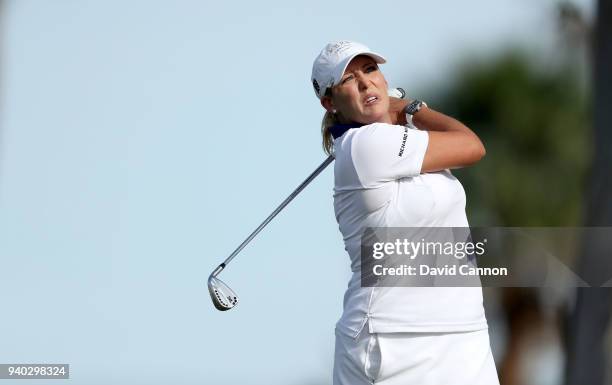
(329, 66)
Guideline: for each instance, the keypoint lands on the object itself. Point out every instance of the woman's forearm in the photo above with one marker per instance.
(451, 141)
(426, 119)
(430, 120)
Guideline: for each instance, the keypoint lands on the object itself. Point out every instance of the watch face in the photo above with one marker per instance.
(413, 107)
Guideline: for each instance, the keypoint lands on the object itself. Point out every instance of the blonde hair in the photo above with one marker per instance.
(329, 120)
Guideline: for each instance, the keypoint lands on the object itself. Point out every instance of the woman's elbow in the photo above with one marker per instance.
(473, 149)
(481, 152)
(477, 152)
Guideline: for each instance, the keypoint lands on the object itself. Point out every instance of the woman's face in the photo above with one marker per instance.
(361, 95)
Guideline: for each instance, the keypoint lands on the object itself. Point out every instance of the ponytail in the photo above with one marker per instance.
(329, 120)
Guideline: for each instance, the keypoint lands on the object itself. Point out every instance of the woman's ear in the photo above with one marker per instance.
(328, 104)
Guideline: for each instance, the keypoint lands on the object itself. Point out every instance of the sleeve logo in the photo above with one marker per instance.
(403, 146)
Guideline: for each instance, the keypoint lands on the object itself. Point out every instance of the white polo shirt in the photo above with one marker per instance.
(378, 184)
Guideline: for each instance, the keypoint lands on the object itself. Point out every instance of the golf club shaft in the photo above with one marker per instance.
(274, 213)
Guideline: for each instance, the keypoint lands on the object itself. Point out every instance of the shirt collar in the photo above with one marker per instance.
(339, 129)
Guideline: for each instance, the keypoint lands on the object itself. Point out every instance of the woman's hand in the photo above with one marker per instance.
(396, 110)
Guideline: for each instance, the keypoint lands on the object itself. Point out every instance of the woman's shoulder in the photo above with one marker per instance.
(379, 130)
(384, 136)
(382, 126)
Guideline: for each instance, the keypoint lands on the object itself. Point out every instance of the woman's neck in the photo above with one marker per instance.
(386, 118)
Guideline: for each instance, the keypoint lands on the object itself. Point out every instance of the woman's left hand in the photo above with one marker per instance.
(396, 110)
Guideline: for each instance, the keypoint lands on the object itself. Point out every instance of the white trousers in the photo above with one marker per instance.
(459, 358)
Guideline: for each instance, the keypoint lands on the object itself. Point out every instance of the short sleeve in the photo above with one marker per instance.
(384, 152)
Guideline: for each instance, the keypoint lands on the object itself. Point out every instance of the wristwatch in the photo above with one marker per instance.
(412, 108)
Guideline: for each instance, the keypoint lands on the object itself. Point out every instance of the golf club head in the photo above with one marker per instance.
(222, 296)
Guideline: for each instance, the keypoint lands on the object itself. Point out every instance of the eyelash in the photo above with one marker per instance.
(371, 68)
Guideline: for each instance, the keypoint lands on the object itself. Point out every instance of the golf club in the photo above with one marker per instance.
(222, 296)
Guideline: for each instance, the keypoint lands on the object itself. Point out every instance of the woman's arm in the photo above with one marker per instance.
(451, 143)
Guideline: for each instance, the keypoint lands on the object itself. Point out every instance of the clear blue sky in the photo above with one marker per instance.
(141, 141)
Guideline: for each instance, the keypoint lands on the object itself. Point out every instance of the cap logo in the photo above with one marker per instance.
(315, 84)
(338, 47)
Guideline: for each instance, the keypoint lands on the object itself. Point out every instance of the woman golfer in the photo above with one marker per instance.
(390, 175)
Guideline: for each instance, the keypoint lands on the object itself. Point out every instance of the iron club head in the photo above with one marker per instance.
(222, 296)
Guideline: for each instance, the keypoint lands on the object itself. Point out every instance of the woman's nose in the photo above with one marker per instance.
(362, 81)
